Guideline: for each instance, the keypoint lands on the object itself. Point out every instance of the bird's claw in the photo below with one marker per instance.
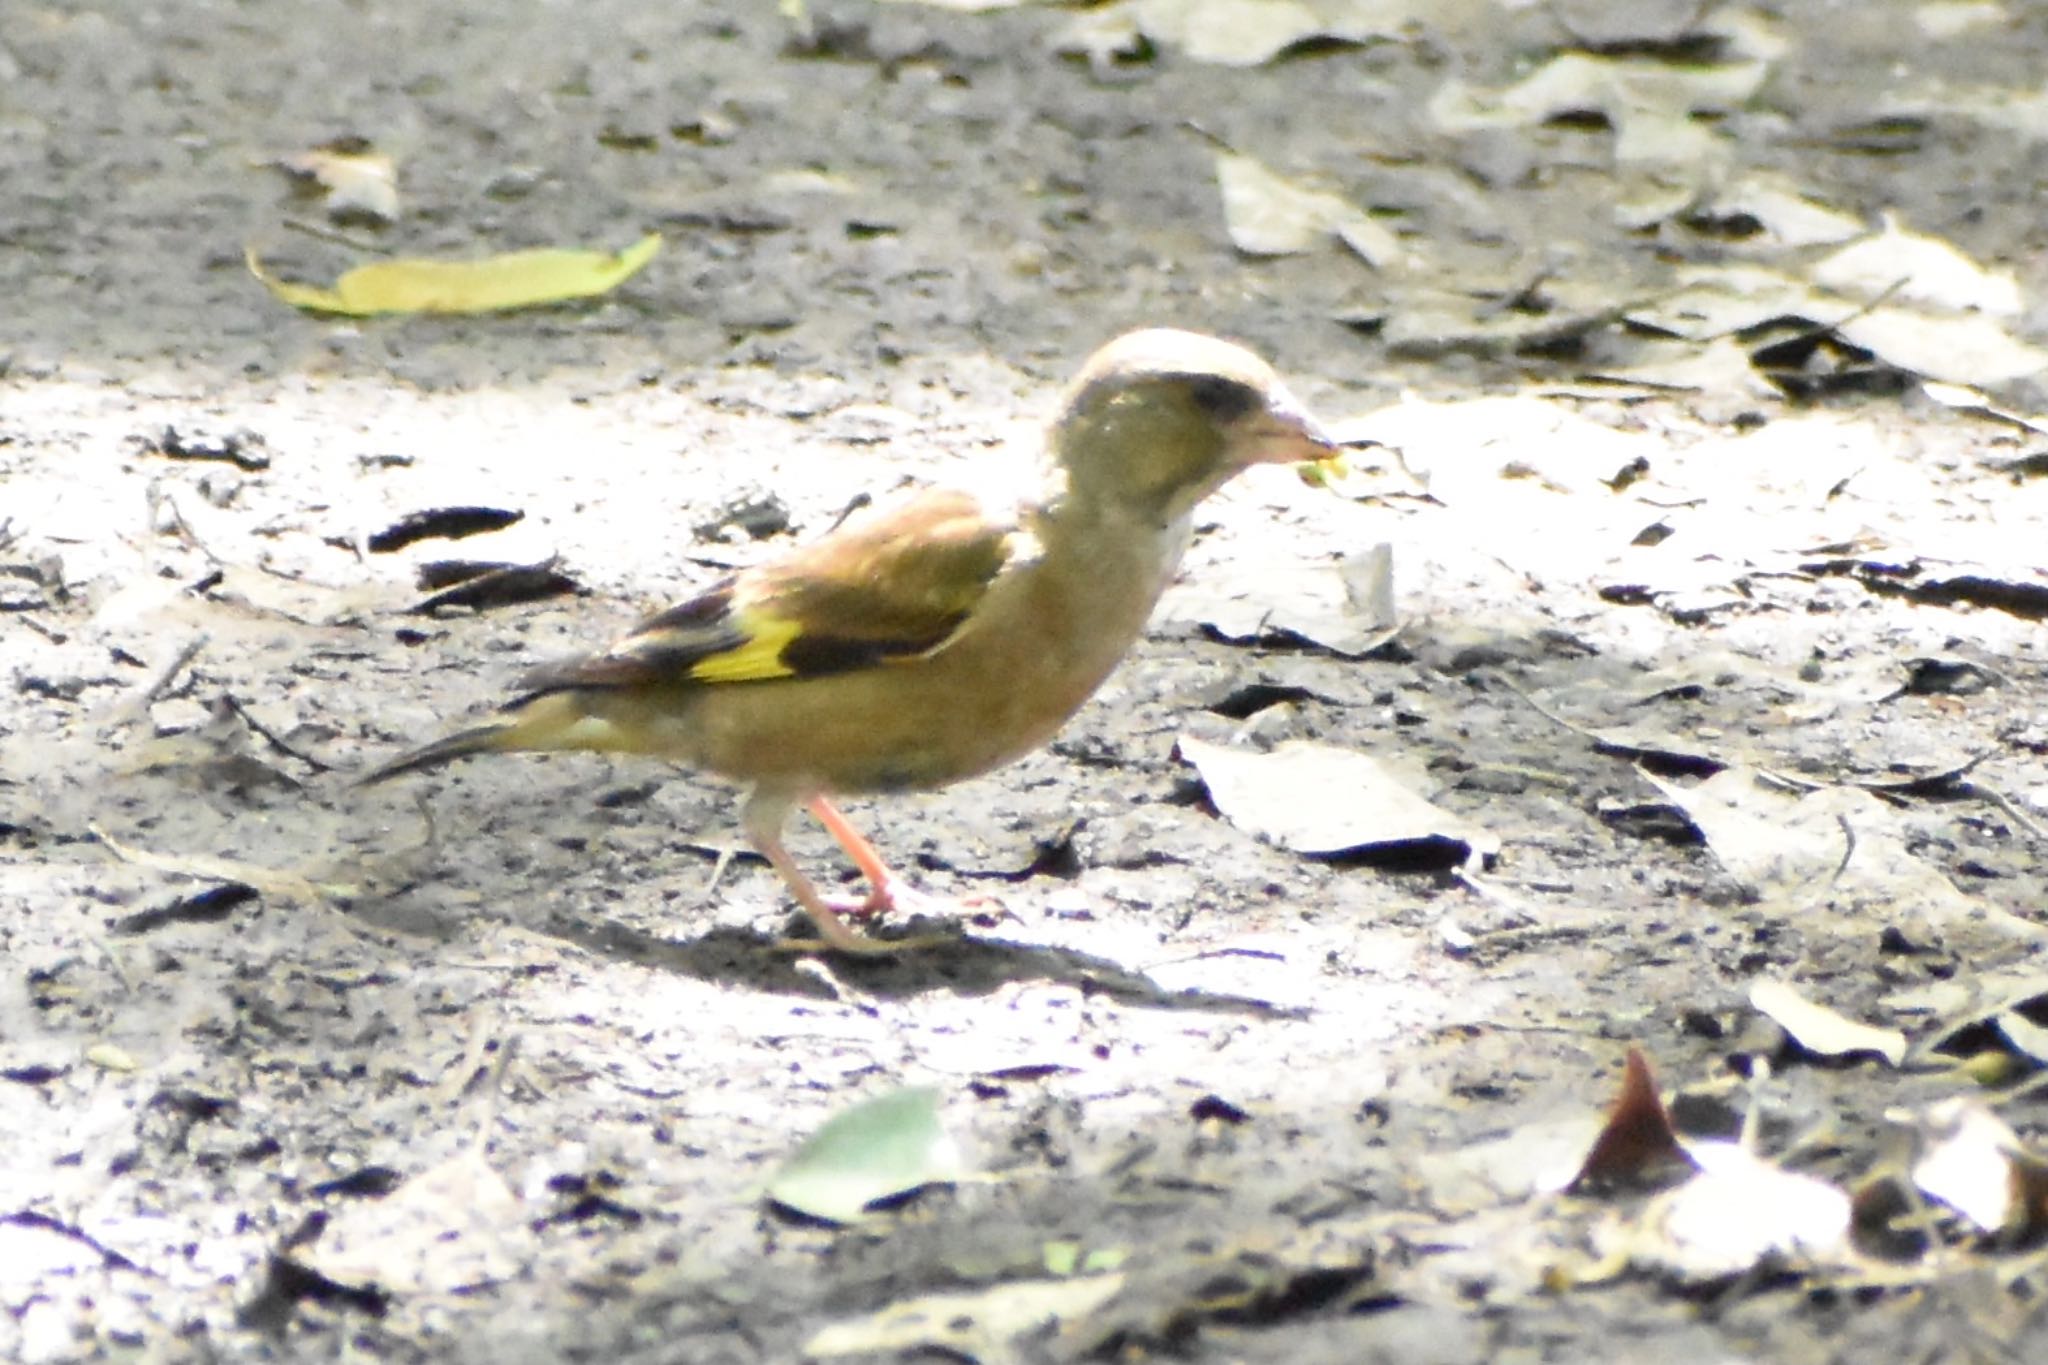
(894, 895)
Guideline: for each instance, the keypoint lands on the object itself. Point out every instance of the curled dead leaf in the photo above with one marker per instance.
(1638, 1143)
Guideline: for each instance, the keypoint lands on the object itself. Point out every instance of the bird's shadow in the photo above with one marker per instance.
(964, 964)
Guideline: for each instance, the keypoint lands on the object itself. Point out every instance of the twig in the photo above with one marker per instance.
(271, 738)
(328, 234)
(2004, 803)
(158, 498)
(1848, 848)
(139, 705)
(1819, 330)
(270, 881)
(723, 859)
(1540, 709)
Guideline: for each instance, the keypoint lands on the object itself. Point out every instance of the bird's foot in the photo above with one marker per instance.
(887, 896)
(892, 894)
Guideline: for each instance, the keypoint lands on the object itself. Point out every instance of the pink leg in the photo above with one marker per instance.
(763, 818)
(886, 890)
(884, 886)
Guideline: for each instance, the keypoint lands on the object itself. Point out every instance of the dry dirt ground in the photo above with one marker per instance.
(472, 1068)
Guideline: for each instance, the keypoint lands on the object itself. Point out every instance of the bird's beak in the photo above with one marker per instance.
(1284, 433)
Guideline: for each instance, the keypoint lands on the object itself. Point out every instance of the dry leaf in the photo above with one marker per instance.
(453, 1227)
(1786, 215)
(1622, 88)
(1638, 1142)
(1967, 399)
(1268, 215)
(1821, 1030)
(1347, 608)
(111, 1057)
(1946, 342)
(1834, 841)
(517, 279)
(359, 180)
(967, 6)
(1320, 800)
(270, 881)
(2025, 1035)
(1239, 32)
(1101, 35)
(1948, 18)
(1971, 1160)
(1911, 267)
(1740, 1212)
(1961, 349)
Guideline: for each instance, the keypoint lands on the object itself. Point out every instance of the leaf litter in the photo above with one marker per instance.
(1756, 541)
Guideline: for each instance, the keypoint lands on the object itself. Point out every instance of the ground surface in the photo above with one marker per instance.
(473, 1070)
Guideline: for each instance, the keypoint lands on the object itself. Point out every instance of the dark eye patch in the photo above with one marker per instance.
(1226, 400)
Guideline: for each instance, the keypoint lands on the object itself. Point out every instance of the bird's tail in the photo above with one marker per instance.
(548, 721)
(481, 739)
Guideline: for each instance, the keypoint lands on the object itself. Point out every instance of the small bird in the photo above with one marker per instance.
(929, 640)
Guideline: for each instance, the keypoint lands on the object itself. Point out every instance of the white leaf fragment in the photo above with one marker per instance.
(1821, 1030)
(455, 1226)
(1925, 270)
(1971, 1160)
(1238, 32)
(1738, 1213)
(1269, 215)
(1317, 799)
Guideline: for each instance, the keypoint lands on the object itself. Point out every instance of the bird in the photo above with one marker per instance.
(930, 639)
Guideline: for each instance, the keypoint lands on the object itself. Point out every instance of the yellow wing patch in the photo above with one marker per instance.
(758, 658)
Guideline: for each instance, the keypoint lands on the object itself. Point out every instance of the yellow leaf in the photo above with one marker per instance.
(516, 279)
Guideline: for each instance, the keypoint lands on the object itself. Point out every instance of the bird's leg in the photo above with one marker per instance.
(718, 867)
(763, 818)
(885, 889)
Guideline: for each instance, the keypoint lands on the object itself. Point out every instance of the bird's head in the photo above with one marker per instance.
(1159, 419)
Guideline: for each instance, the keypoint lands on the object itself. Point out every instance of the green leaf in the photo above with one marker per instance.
(885, 1146)
(1068, 1257)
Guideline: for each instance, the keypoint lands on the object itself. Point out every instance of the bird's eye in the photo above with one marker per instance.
(1225, 400)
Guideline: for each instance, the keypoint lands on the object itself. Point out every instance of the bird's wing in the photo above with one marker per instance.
(890, 585)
